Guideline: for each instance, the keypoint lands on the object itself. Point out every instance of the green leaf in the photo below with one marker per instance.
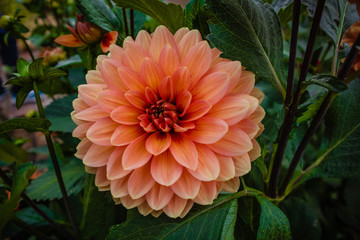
(54, 86)
(23, 67)
(77, 76)
(75, 59)
(285, 12)
(36, 69)
(9, 153)
(99, 211)
(170, 15)
(58, 113)
(53, 74)
(20, 81)
(99, 13)
(46, 186)
(310, 108)
(328, 81)
(21, 96)
(29, 124)
(202, 222)
(341, 142)
(273, 222)
(22, 173)
(195, 17)
(249, 31)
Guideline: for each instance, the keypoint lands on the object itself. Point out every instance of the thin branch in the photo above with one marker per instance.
(28, 48)
(125, 22)
(290, 115)
(132, 23)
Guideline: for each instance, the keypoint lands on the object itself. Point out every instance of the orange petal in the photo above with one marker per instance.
(232, 185)
(258, 114)
(249, 127)
(79, 104)
(208, 168)
(119, 188)
(245, 84)
(125, 134)
(242, 164)
(137, 99)
(183, 101)
(128, 202)
(181, 80)
(187, 208)
(115, 52)
(175, 207)
(207, 193)
(158, 143)
(169, 60)
(160, 38)
(115, 169)
(140, 182)
(164, 169)
(143, 38)
(196, 110)
(110, 74)
(233, 68)
(208, 130)
(92, 114)
(189, 40)
(100, 178)
(81, 130)
(88, 92)
(159, 196)
(82, 148)
(212, 88)
(235, 142)
(166, 89)
(144, 209)
(184, 150)
(101, 131)
(69, 41)
(131, 79)
(258, 94)
(108, 39)
(187, 186)
(110, 99)
(256, 151)
(133, 56)
(180, 34)
(97, 156)
(94, 77)
(151, 73)
(135, 154)
(227, 168)
(198, 61)
(127, 115)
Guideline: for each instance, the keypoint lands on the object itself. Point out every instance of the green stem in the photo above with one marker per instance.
(55, 161)
(28, 48)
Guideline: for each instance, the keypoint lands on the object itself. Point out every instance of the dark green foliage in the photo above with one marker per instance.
(195, 17)
(330, 82)
(29, 124)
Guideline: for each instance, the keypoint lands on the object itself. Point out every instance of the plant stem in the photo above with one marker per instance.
(319, 116)
(125, 22)
(29, 229)
(55, 162)
(132, 23)
(28, 48)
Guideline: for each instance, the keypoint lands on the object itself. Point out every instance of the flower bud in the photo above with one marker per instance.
(5, 22)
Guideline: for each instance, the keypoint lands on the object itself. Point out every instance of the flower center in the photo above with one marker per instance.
(159, 117)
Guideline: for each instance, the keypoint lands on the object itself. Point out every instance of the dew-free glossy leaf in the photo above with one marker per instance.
(29, 124)
(22, 67)
(328, 81)
(195, 17)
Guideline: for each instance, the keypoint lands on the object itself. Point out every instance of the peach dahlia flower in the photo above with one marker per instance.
(165, 122)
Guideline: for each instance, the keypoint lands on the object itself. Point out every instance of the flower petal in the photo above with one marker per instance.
(169, 60)
(158, 143)
(187, 208)
(245, 84)
(125, 134)
(88, 92)
(166, 89)
(110, 99)
(165, 169)
(115, 52)
(82, 148)
(100, 178)
(114, 168)
(92, 114)
(131, 79)
(108, 39)
(94, 77)
(208, 168)
(109, 72)
(126, 115)
(183, 101)
(128, 202)
(249, 127)
(235, 142)
(119, 188)
(180, 34)
(133, 56)
(256, 151)
(81, 130)
(101, 131)
(144, 209)
(175, 207)
(242, 164)
(227, 167)
(97, 156)
(152, 74)
(181, 80)
(187, 187)
(135, 154)
(208, 130)
(189, 40)
(184, 150)
(140, 182)
(69, 41)
(159, 196)
(233, 68)
(231, 185)
(143, 38)
(137, 99)
(196, 110)
(79, 104)
(207, 193)
(160, 38)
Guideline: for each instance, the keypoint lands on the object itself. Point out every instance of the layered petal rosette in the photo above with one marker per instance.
(165, 122)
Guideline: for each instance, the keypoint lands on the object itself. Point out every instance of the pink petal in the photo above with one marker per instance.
(100, 178)
(115, 52)
(144, 209)
(101, 131)
(143, 38)
(181, 80)
(125, 134)
(160, 38)
(81, 130)
(187, 208)
(166, 89)
(159, 196)
(135, 154)
(207, 193)
(94, 77)
(183, 101)
(111, 76)
(196, 110)
(245, 84)
(231, 185)
(249, 127)
(90, 170)
(110, 99)
(75, 120)
(169, 60)
(97, 156)
(127, 41)
(158, 143)
(184, 150)
(92, 114)
(227, 168)
(189, 40)
(119, 188)
(175, 207)
(208, 130)
(187, 186)
(151, 96)
(140, 182)
(257, 93)
(242, 164)
(183, 126)
(137, 99)
(235, 142)
(233, 68)
(198, 61)
(180, 34)
(258, 114)
(212, 88)
(256, 151)
(156, 214)
(152, 74)
(208, 168)
(88, 92)
(164, 169)
(133, 56)
(127, 115)
(253, 103)
(231, 109)
(115, 169)
(131, 79)
(215, 57)
(82, 148)
(79, 104)
(128, 202)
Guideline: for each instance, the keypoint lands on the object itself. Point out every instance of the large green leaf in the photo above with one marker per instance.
(195, 17)
(58, 113)
(249, 31)
(9, 153)
(202, 222)
(29, 124)
(22, 173)
(46, 186)
(341, 143)
(170, 15)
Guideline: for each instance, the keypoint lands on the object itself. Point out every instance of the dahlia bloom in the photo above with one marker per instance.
(165, 122)
(349, 38)
(86, 34)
